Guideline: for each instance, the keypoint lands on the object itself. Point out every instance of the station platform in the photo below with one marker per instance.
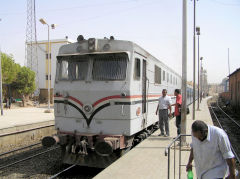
(23, 126)
(17, 117)
(148, 161)
(24, 118)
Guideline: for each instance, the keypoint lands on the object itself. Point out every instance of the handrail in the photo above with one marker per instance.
(167, 153)
(176, 139)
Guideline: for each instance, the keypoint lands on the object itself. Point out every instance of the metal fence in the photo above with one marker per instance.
(168, 151)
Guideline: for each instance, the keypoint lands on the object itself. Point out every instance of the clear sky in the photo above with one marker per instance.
(156, 25)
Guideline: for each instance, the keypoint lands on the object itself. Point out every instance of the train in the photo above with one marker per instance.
(105, 97)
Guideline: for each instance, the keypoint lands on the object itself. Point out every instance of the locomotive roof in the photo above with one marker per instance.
(107, 46)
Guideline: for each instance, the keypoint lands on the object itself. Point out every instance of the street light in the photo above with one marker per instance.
(1, 101)
(201, 79)
(194, 56)
(49, 58)
(184, 72)
(198, 33)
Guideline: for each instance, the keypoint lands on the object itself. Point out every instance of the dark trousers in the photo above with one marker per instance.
(163, 121)
(178, 124)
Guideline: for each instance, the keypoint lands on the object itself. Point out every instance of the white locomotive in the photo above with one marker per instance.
(105, 97)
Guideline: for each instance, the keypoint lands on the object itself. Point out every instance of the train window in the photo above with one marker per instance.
(157, 75)
(78, 70)
(109, 67)
(167, 77)
(64, 70)
(163, 75)
(137, 69)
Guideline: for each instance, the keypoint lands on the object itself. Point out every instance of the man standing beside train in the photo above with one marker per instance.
(177, 111)
(163, 106)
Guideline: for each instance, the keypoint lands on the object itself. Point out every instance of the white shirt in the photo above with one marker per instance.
(210, 155)
(164, 102)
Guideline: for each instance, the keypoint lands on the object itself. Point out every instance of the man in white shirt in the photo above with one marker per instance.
(163, 106)
(211, 151)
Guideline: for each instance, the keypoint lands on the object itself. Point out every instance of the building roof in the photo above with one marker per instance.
(54, 41)
(237, 70)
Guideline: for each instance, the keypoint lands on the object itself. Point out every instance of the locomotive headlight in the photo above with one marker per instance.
(91, 44)
(87, 108)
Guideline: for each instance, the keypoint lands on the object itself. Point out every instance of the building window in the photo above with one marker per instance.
(157, 75)
(167, 77)
(47, 77)
(137, 69)
(171, 79)
(163, 75)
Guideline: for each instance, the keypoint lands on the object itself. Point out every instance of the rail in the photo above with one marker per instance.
(235, 153)
(59, 173)
(26, 130)
(228, 115)
(27, 158)
(167, 153)
(18, 149)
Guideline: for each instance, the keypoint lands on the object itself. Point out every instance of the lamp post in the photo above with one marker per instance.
(1, 101)
(49, 61)
(201, 79)
(198, 33)
(184, 71)
(194, 56)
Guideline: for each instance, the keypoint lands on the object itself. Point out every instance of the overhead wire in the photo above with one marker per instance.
(69, 8)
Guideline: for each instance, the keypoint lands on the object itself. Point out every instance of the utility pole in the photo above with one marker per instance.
(198, 34)
(184, 72)
(194, 58)
(31, 53)
(228, 63)
(1, 101)
(49, 61)
(201, 81)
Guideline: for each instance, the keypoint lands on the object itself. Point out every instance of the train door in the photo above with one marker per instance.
(144, 87)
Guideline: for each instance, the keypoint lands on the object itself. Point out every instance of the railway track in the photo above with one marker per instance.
(16, 154)
(28, 147)
(229, 125)
(62, 171)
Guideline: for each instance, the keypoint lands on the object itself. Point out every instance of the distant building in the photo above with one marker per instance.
(234, 88)
(215, 88)
(225, 84)
(42, 64)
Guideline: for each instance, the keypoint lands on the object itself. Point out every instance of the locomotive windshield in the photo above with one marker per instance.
(103, 67)
(109, 67)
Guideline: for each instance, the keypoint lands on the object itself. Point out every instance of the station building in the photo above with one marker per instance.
(40, 64)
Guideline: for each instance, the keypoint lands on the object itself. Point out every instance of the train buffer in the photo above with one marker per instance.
(149, 159)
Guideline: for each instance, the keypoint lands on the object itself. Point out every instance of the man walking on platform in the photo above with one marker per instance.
(177, 111)
(211, 152)
(163, 106)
